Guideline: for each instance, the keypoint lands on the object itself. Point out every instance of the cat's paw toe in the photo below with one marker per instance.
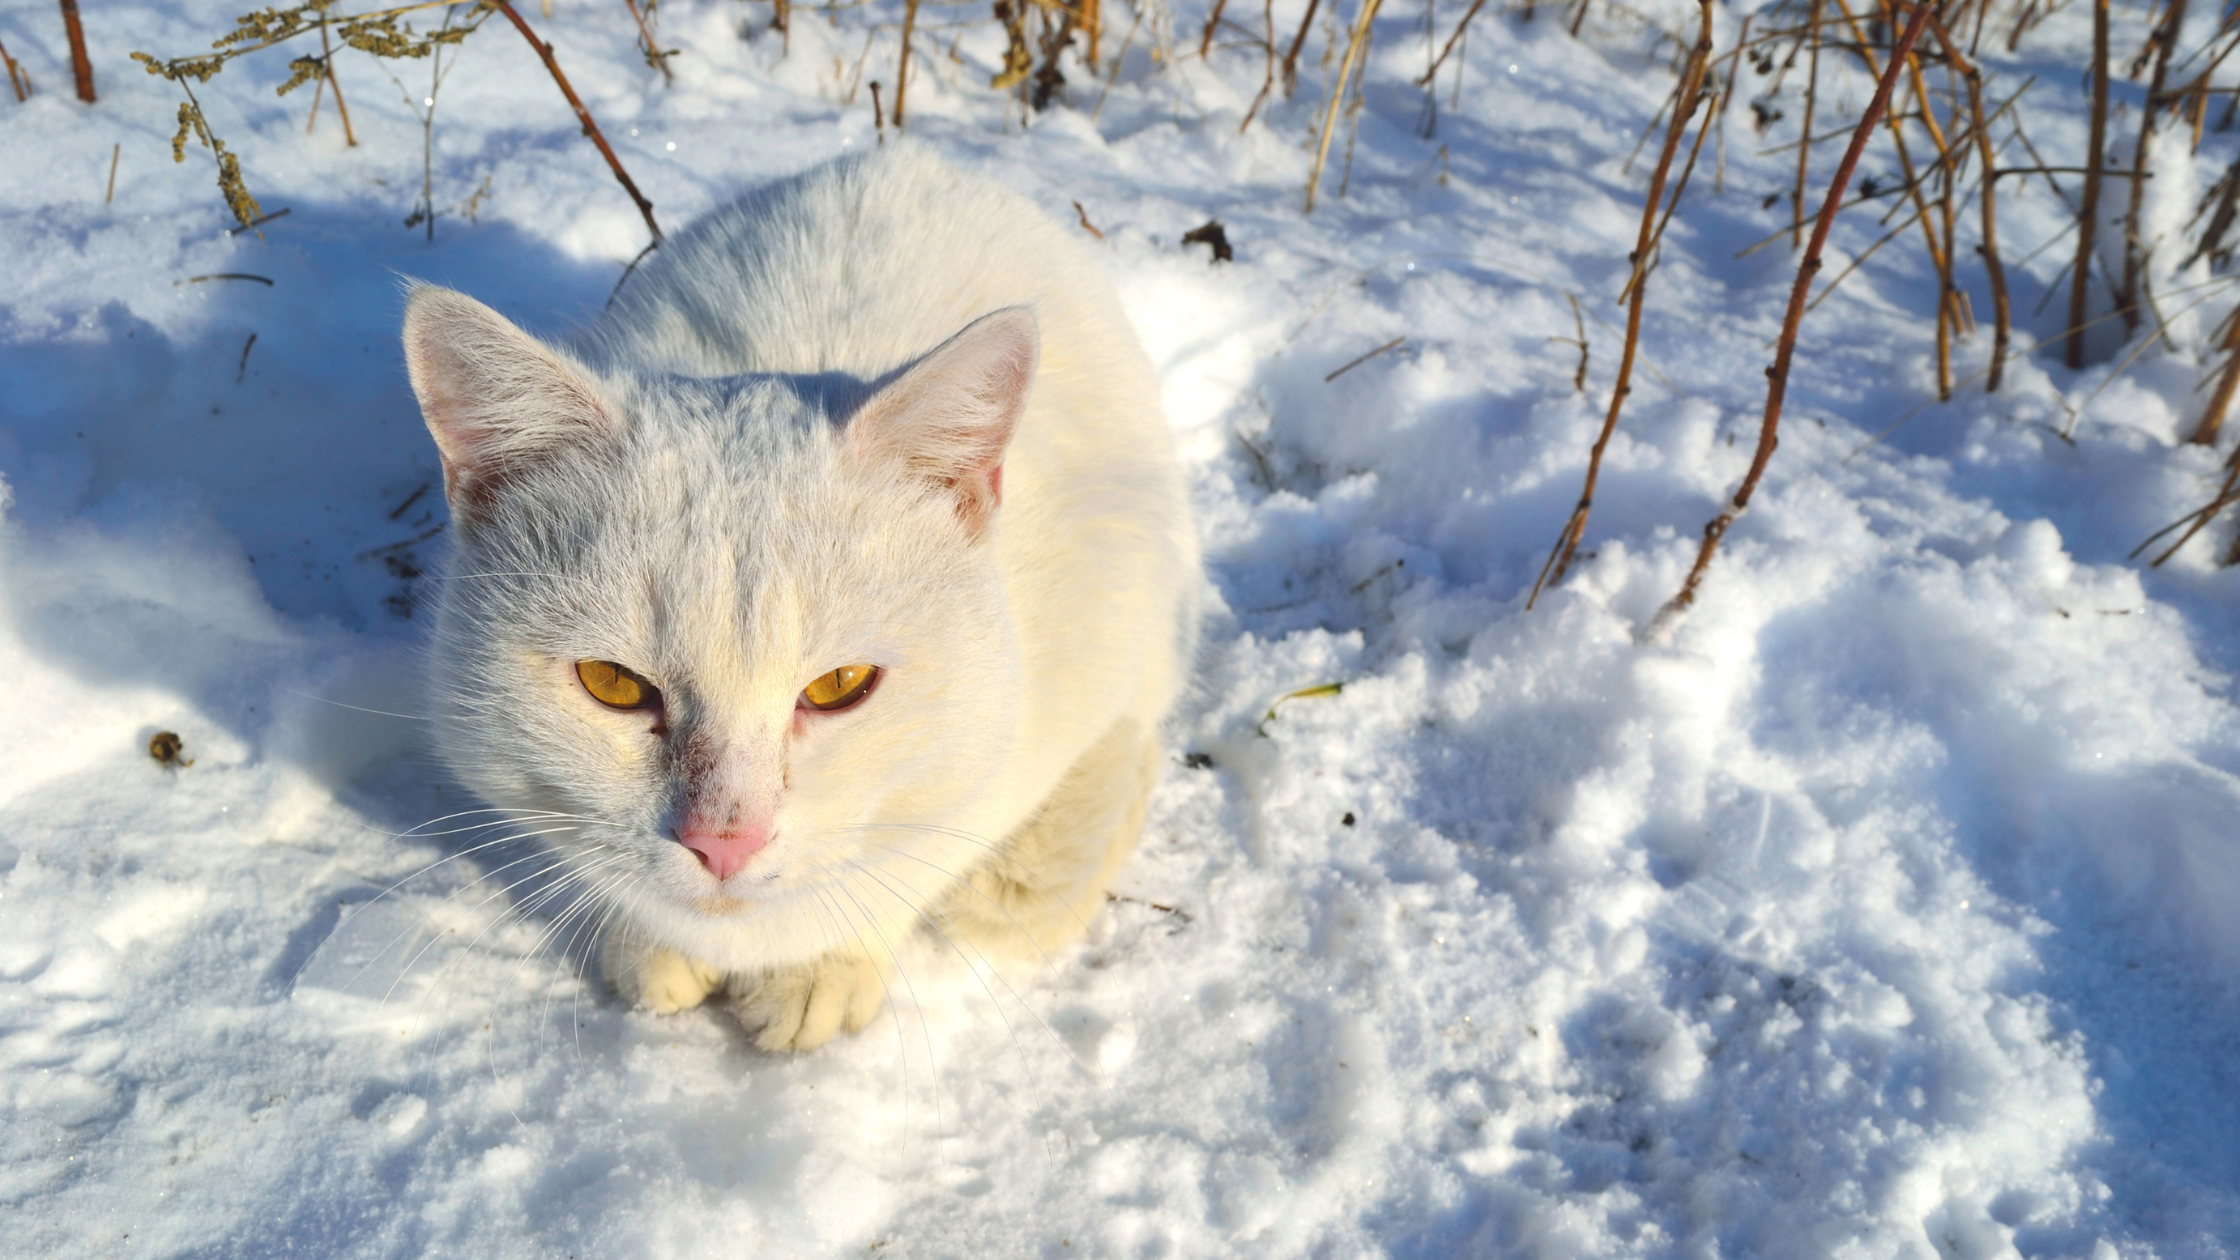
(668, 982)
(803, 1008)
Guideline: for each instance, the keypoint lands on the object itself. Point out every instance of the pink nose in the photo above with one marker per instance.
(723, 850)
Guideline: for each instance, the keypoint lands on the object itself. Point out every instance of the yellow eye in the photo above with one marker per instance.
(615, 686)
(840, 688)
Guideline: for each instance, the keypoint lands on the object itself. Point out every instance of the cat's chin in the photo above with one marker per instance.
(720, 906)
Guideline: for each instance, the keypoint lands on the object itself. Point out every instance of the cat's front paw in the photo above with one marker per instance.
(661, 980)
(801, 1008)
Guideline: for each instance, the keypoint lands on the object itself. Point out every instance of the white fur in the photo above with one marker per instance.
(774, 457)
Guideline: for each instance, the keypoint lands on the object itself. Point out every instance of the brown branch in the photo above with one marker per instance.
(902, 71)
(2162, 41)
(326, 50)
(2212, 419)
(1636, 290)
(17, 79)
(81, 66)
(1804, 150)
(1291, 58)
(1459, 28)
(590, 128)
(1354, 43)
(1205, 42)
(1939, 254)
(1777, 376)
(2095, 151)
(658, 59)
(2002, 313)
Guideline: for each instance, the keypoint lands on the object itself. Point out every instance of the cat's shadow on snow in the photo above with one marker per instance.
(187, 483)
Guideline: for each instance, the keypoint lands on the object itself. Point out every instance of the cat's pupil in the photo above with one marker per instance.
(840, 688)
(616, 686)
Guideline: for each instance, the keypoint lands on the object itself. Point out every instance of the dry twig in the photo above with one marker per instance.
(1354, 46)
(81, 66)
(1691, 90)
(1778, 375)
(591, 128)
(17, 79)
(2089, 213)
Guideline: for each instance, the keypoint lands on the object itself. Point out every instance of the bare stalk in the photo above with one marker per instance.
(1354, 45)
(654, 56)
(81, 66)
(1636, 290)
(326, 55)
(1205, 41)
(2095, 149)
(1804, 148)
(2212, 419)
(1777, 377)
(1726, 98)
(1459, 28)
(2002, 314)
(17, 79)
(2164, 40)
(1298, 41)
(590, 128)
(902, 71)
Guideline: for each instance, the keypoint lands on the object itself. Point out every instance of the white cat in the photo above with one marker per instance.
(832, 588)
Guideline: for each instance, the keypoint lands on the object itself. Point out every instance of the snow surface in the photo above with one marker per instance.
(1886, 908)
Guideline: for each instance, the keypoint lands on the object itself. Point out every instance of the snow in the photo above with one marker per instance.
(1884, 908)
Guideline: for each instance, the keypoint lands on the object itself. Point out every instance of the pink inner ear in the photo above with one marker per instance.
(495, 398)
(950, 416)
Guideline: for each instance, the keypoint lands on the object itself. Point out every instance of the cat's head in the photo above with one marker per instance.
(726, 638)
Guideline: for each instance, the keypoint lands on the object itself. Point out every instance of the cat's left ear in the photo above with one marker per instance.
(497, 400)
(949, 416)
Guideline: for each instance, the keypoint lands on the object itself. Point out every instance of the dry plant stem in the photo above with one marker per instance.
(1354, 44)
(2212, 418)
(2095, 149)
(1205, 41)
(902, 70)
(590, 128)
(1804, 150)
(1121, 59)
(1949, 302)
(1691, 82)
(2002, 313)
(1777, 377)
(2165, 38)
(15, 76)
(1672, 203)
(116, 152)
(1291, 57)
(1579, 378)
(2200, 517)
(1726, 98)
(1948, 293)
(1914, 180)
(81, 66)
(1459, 28)
(653, 50)
(326, 51)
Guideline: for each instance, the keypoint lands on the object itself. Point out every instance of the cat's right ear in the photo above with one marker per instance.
(496, 399)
